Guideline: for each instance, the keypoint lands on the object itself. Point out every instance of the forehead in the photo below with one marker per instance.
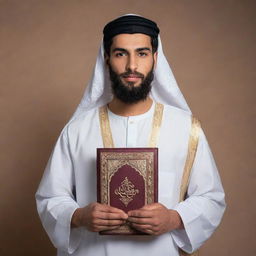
(131, 41)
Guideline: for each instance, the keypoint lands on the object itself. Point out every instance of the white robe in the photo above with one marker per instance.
(69, 182)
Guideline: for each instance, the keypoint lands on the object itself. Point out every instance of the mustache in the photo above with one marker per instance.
(130, 73)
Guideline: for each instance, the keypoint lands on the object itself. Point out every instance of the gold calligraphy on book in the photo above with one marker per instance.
(126, 191)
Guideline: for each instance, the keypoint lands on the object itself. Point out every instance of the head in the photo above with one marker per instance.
(130, 44)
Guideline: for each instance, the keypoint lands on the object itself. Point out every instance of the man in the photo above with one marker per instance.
(130, 78)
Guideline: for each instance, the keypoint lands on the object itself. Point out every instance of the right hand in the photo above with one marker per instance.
(98, 217)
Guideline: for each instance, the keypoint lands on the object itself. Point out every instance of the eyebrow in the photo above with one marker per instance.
(143, 49)
(137, 50)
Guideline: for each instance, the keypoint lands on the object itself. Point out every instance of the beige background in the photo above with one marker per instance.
(47, 52)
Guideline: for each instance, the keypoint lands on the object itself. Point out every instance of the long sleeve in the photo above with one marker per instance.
(204, 206)
(55, 200)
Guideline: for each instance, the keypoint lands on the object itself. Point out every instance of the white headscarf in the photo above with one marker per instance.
(164, 86)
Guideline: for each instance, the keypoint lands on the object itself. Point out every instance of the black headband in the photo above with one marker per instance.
(130, 24)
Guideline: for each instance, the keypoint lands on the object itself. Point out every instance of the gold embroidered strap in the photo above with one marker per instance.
(157, 120)
(105, 128)
(192, 147)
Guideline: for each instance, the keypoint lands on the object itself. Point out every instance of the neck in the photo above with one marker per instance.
(123, 109)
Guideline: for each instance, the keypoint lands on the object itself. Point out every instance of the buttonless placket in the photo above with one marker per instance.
(131, 135)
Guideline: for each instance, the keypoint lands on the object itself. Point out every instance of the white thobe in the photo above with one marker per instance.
(69, 182)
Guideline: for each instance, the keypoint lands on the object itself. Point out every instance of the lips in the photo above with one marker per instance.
(132, 77)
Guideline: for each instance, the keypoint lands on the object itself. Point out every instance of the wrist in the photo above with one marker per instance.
(176, 220)
(76, 218)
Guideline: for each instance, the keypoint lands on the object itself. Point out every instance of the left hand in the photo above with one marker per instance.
(155, 219)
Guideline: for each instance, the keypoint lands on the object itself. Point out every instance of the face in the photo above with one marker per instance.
(131, 57)
(131, 64)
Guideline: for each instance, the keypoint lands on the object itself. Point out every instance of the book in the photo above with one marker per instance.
(127, 178)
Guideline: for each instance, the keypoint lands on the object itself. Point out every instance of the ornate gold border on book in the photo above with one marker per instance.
(142, 162)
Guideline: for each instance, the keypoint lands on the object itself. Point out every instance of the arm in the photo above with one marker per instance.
(55, 201)
(204, 206)
(192, 221)
(61, 216)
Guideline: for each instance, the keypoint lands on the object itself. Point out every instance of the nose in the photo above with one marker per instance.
(131, 63)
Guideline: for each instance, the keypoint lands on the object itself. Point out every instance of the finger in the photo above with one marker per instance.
(110, 216)
(143, 228)
(140, 213)
(109, 209)
(103, 228)
(100, 222)
(146, 229)
(140, 220)
(149, 231)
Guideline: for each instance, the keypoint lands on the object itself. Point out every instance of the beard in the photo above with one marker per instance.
(129, 93)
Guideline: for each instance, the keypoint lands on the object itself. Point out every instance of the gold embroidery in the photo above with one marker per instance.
(192, 148)
(105, 128)
(106, 131)
(157, 120)
(126, 191)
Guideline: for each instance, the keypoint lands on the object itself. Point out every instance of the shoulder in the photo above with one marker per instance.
(83, 116)
(177, 114)
(82, 122)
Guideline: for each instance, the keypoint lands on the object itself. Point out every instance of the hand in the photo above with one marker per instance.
(155, 219)
(98, 217)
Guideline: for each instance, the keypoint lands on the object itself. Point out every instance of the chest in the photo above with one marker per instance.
(172, 146)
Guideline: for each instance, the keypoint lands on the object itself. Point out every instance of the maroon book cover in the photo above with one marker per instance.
(127, 178)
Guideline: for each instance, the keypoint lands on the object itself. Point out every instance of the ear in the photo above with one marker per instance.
(106, 58)
(155, 59)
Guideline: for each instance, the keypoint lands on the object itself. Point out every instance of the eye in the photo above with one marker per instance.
(143, 54)
(120, 54)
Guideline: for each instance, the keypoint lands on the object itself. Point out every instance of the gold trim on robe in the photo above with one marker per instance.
(192, 148)
(106, 130)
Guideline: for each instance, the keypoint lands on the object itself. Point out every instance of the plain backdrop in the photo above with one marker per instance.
(47, 52)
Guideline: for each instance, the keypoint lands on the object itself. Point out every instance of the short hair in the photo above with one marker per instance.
(107, 44)
(130, 24)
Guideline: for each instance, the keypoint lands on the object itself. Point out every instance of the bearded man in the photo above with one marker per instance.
(131, 79)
